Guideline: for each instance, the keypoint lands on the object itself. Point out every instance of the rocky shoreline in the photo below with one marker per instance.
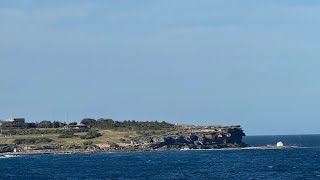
(44, 152)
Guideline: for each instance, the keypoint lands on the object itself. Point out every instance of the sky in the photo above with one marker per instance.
(252, 63)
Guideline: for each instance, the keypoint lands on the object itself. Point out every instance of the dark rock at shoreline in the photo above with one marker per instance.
(6, 148)
(197, 137)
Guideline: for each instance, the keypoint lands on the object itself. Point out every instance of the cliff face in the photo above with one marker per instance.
(197, 137)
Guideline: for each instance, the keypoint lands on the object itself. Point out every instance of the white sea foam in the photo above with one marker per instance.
(8, 156)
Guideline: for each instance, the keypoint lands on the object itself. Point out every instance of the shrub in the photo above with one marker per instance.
(65, 136)
(87, 143)
(33, 140)
(91, 134)
(68, 134)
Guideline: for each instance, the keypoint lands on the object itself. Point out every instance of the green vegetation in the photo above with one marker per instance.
(33, 140)
(15, 131)
(108, 136)
(56, 127)
(88, 143)
(67, 134)
(127, 125)
(41, 124)
(103, 131)
(91, 134)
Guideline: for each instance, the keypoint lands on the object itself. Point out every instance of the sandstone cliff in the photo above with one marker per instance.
(196, 137)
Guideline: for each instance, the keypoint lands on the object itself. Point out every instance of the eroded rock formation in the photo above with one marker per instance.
(196, 137)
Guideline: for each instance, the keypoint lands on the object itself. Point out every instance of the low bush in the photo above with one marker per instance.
(33, 140)
(91, 134)
(65, 136)
(68, 134)
(87, 143)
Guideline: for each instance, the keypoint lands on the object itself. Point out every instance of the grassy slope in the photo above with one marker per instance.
(107, 137)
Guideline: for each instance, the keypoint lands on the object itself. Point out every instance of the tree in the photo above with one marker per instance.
(45, 124)
(91, 134)
(73, 123)
(31, 125)
(58, 124)
(88, 122)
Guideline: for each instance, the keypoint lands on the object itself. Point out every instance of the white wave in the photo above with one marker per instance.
(8, 156)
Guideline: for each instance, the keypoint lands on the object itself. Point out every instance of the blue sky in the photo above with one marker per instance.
(253, 63)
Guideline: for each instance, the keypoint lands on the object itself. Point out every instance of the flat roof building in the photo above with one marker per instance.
(16, 120)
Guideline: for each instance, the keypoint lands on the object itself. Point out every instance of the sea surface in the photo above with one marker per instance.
(300, 162)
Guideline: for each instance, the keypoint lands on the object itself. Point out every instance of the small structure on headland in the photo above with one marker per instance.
(14, 122)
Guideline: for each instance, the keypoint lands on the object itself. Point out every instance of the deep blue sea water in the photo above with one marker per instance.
(293, 163)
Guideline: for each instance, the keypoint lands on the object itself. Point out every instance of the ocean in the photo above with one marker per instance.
(300, 162)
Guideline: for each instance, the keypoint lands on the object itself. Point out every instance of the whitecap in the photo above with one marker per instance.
(8, 156)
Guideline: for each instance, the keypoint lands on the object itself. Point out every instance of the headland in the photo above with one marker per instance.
(107, 135)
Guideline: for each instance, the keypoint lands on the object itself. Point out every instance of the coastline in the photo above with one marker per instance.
(42, 152)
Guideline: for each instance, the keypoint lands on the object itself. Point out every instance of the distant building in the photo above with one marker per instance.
(16, 121)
